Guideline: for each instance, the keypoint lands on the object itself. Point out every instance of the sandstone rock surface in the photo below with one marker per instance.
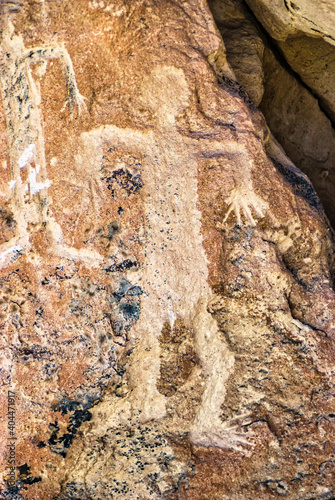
(291, 109)
(167, 301)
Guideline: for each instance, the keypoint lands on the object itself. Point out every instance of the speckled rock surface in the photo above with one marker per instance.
(167, 303)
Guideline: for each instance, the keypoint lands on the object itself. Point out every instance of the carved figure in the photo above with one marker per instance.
(21, 100)
(173, 277)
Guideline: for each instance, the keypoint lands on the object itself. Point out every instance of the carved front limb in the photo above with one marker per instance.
(74, 101)
(243, 200)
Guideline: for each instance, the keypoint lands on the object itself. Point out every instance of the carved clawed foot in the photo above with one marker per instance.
(225, 435)
(242, 201)
(75, 103)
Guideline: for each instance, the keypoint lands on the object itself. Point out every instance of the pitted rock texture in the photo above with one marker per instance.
(167, 302)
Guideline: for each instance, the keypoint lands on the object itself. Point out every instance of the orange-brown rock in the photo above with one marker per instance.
(167, 303)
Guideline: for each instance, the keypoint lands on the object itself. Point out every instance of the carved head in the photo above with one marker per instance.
(165, 91)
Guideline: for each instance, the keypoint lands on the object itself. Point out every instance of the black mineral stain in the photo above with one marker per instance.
(235, 88)
(53, 438)
(7, 225)
(302, 187)
(112, 229)
(130, 310)
(25, 477)
(137, 444)
(122, 266)
(11, 493)
(74, 491)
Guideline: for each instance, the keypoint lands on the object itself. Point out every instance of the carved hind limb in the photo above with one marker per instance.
(217, 364)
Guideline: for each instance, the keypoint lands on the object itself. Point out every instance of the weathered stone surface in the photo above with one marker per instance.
(167, 311)
(243, 43)
(292, 112)
(284, 18)
(307, 135)
(304, 31)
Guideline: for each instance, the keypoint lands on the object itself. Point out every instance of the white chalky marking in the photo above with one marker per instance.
(4, 255)
(36, 187)
(27, 156)
(174, 274)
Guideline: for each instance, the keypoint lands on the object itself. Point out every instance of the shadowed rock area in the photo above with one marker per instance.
(285, 66)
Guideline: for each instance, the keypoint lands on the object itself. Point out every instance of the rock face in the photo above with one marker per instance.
(272, 67)
(167, 307)
(305, 33)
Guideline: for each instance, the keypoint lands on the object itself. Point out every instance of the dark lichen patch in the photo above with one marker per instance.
(124, 265)
(141, 456)
(112, 228)
(80, 414)
(123, 181)
(101, 235)
(11, 493)
(302, 187)
(125, 306)
(27, 352)
(125, 288)
(7, 225)
(74, 491)
(278, 487)
(130, 310)
(65, 272)
(178, 357)
(24, 476)
(67, 405)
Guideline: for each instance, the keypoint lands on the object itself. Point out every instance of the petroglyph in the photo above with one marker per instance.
(21, 99)
(174, 275)
(243, 199)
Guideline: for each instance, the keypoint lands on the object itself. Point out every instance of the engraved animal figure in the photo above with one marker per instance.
(174, 275)
(21, 99)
